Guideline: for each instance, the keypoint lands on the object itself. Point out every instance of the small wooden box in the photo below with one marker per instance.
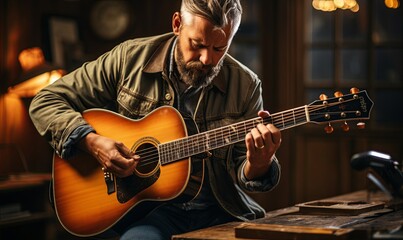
(339, 207)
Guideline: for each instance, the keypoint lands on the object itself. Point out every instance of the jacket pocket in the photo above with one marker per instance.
(135, 105)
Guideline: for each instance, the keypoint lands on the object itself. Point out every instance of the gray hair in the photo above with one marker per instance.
(218, 12)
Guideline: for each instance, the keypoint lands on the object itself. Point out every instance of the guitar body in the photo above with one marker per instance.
(82, 202)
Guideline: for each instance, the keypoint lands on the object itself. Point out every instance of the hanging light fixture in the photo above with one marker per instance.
(332, 5)
(392, 3)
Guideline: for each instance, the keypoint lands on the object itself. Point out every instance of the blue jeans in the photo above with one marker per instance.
(169, 220)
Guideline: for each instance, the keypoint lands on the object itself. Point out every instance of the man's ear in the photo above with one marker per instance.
(176, 23)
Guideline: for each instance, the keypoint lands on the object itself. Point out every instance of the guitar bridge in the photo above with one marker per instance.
(110, 183)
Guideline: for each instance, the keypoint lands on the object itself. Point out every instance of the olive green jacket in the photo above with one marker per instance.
(132, 78)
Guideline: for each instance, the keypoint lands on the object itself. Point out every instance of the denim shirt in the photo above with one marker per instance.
(132, 79)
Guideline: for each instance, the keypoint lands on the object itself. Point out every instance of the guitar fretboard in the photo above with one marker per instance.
(223, 136)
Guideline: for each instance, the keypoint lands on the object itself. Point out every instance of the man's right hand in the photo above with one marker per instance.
(113, 156)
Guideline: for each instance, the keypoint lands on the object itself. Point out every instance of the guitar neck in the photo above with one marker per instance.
(230, 134)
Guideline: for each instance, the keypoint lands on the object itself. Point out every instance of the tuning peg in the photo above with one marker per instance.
(338, 94)
(345, 127)
(323, 97)
(361, 125)
(354, 90)
(329, 129)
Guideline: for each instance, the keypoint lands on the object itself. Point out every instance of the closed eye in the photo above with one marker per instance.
(220, 49)
(196, 45)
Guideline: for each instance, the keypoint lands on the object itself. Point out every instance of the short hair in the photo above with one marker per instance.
(218, 12)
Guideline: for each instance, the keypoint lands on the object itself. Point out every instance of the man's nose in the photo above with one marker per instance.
(206, 57)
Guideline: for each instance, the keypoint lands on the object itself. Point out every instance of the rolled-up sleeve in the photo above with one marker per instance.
(56, 111)
(266, 182)
(69, 149)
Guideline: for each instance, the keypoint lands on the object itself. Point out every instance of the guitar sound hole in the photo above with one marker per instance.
(149, 160)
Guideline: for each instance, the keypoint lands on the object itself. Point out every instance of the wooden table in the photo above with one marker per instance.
(292, 223)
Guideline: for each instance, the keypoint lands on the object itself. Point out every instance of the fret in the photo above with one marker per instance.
(223, 136)
(244, 127)
(221, 141)
(216, 139)
(185, 148)
(177, 152)
(242, 131)
(255, 123)
(282, 119)
(290, 122)
(228, 138)
(201, 147)
(166, 152)
(172, 150)
(235, 131)
(190, 147)
(213, 139)
(207, 142)
(163, 153)
(193, 145)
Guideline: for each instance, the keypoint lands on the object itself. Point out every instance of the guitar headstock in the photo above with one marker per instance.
(341, 108)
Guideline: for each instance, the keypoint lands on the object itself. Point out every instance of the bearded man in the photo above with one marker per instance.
(191, 71)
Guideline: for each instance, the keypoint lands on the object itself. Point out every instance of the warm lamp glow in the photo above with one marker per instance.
(31, 87)
(392, 3)
(30, 58)
(332, 5)
(36, 74)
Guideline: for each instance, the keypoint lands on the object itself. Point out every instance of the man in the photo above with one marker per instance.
(190, 70)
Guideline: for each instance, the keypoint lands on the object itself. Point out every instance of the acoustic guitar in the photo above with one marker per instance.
(89, 201)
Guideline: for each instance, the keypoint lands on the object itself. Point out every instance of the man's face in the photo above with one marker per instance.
(200, 50)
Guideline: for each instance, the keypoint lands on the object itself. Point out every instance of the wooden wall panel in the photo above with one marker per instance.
(318, 165)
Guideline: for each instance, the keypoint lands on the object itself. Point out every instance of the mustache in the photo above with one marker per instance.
(197, 65)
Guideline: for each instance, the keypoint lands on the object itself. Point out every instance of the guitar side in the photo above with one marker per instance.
(82, 203)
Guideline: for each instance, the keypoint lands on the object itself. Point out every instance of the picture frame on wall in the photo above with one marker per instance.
(63, 42)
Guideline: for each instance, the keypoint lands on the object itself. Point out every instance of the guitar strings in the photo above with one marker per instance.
(199, 143)
(152, 158)
(148, 159)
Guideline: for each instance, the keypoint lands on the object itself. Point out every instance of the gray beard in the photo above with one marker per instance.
(194, 73)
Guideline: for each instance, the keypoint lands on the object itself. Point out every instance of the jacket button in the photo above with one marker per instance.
(168, 96)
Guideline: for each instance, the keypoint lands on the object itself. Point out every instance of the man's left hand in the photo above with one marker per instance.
(262, 143)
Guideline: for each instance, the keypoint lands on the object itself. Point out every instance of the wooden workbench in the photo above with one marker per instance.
(292, 223)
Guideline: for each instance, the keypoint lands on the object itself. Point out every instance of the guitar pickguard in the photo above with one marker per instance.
(130, 186)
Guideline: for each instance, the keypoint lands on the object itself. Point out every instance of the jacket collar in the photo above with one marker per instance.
(157, 63)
